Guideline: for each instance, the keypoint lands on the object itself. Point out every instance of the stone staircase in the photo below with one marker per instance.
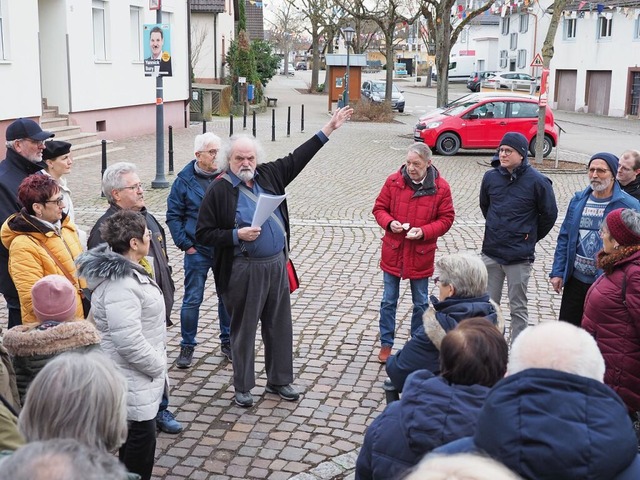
(84, 145)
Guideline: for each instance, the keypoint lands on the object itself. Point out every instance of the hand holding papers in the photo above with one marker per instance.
(265, 206)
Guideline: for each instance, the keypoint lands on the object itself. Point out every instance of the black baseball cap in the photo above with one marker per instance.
(26, 128)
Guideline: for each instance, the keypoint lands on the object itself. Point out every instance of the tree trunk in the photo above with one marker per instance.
(391, 61)
(315, 60)
(443, 49)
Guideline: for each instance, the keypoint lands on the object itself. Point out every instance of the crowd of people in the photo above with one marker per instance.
(88, 314)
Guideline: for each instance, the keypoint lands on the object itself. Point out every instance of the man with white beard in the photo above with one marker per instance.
(574, 263)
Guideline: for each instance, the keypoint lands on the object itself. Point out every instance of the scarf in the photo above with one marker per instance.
(426, 187)
(607, 261)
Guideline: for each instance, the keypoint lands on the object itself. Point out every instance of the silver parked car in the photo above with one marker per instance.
(375, 90)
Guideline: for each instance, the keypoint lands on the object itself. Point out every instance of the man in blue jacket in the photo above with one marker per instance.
(574, 262)
(520, 209)
(183, 204)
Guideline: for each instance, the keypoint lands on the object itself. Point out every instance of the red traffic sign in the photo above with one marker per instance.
(537, 61)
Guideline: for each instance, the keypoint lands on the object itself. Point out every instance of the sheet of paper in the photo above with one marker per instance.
(265, 206)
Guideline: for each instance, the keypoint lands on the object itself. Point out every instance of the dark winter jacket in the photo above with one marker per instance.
(550, 425)
(633, 188)
(431, 412)
(158, 250)
(216, 220)
(183, 205)
(567, 243)
(612, 316)
(520, 210)
(422, 351)
(432, 212)
(13, 170)
(32, 348)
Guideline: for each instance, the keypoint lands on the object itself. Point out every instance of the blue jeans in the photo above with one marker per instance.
(389, 304)
(196, 268)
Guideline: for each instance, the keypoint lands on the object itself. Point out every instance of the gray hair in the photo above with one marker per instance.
(467, 466)
(557, 345)
(204, 139)
(257, 146)
(422, 150)
(631, 220)
(634, 155)
(61, 459)
(9, 144)
(81, 396)
(466, 272)
(112, 178)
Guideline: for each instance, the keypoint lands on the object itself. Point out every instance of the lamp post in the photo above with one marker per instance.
(348, 37)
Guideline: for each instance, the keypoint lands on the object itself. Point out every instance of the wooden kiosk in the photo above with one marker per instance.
(337, 69)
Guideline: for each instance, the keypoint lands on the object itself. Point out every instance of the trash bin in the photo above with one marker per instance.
(250, 91)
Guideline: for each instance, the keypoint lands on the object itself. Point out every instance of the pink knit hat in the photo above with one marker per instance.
(619, 230)
(54, 298)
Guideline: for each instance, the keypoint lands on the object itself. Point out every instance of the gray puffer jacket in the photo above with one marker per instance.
(129, 313)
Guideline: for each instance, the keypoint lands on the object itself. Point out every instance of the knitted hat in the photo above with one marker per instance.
(54, 149)
(610, 158)
(620, 232)
(517, 141)
(54, 298)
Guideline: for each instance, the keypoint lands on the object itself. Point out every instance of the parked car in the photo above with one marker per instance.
(301, 66)
(375, 90)
(481, 124)
(291, 69)
(511, 80)
(469, 97)
(476, 78)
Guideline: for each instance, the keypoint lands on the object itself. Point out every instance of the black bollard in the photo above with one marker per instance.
(170, 150)
(104, 161)
(302, 119)
(244, 116)
(273, 125)
(230, 124)
(204, 126)
(254, 123)
(288, 121)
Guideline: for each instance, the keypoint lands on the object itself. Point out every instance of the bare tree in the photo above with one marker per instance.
(286, 26)
(199, 34)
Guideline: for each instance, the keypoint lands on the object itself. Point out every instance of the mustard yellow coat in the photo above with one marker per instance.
(22, 235)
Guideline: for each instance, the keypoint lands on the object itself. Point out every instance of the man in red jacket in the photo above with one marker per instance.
(414, 208)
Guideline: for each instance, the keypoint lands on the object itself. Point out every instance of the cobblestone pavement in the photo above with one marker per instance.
(336, 248)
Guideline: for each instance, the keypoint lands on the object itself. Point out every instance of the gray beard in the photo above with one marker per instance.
(245, 176)
(602, 186)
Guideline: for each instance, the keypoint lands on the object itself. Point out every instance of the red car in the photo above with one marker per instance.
(481, 124)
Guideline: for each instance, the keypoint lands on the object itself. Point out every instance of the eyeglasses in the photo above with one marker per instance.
(213, 152)
(599, 171)
(147, 233)
(137, 186)
(39, 143)
(58, 201)
(602, 232)
(505, 151)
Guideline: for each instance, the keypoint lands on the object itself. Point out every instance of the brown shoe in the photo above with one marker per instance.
(385, 351)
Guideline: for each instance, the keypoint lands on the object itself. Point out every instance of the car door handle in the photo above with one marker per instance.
(503, 123)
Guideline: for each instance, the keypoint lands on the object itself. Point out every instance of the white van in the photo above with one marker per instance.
(460, 68)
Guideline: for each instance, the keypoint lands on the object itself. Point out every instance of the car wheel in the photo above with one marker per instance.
(448, 144)
(400, 110)
(477, 89)
(546, 147)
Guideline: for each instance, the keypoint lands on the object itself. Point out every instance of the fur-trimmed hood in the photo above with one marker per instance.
(100, 264)
(446, 314)
(27, 340)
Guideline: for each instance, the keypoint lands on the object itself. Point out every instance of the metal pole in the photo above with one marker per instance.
(160, 181)
(302, 120)
(254, 123)
(346, 91)
(204, 126)
(273, 125)
(104, 161)
(170, 150)
(244, 116)
(230, 124)
(288, 121)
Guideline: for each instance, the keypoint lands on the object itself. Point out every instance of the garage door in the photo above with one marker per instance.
(566, 91)
(598, 92)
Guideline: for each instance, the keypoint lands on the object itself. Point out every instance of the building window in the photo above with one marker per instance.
(522, 58)
(636, 29)
(569, 26)
(504, 58)
(524, 23)
(136, 18)
(505, 25)
(604, 27)
(99, 30)
(3, 49)
(513, 44)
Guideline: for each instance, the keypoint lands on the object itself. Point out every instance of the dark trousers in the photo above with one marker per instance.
(572, 305)
(13, 308)
(137, 453)
(259, 290)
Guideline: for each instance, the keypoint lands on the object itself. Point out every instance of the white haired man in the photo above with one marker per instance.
(552, 416)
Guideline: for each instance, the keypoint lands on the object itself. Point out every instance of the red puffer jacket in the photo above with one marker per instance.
(434, 214)
(616, 327)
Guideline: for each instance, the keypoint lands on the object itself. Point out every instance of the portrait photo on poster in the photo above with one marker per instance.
(155, 4)
(157, 49)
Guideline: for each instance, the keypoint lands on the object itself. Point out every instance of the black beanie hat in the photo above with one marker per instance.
(517, 141)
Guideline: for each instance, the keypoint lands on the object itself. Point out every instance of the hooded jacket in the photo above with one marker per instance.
(23, 236)
(32, 348)
(520, 210)
(433, 212)
(422, 351)
(633, 188)
(430, 413)
(128, 309)
(612, 316)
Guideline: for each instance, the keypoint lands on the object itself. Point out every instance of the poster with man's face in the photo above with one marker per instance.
(157, 49)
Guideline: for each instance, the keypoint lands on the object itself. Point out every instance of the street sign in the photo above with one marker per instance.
(537, 61)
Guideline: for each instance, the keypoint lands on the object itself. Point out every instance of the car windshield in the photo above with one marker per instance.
(381, 87)
(459, 107)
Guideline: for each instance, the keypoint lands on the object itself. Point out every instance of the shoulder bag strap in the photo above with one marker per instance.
(73, 280)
